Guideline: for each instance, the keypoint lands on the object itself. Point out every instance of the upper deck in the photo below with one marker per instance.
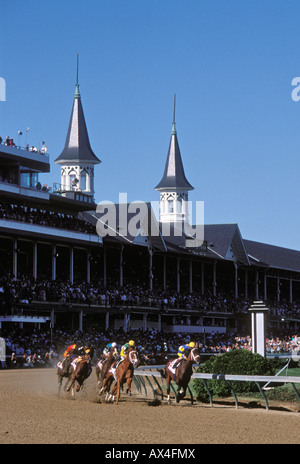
(17, 156)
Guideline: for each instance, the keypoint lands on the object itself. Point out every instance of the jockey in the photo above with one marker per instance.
(124, 351)
(71, 350)
(108, 348)
(83, 351)
(125, 348)
(183, 353)
(107, 351)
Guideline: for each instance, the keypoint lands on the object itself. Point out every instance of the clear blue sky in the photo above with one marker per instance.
(230, 64)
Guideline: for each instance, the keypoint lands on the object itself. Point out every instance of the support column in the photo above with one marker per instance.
(144, 322)
(15, 259)
(81, 320)
(121, 266)
(165, 272)
(291, 290)
(246, 283)
(191, 276)
(71, 265)
(54, 255)
(278, 289)
(256, 285)
(215, 279)
(107, 320)
(202, 278)
(178, 275)
(126, 322)
(159, 323)
(104, 267)
(52, 318)
(150, 249)
(34, 261)
(236, 280)
(265, 287)
(88, 266)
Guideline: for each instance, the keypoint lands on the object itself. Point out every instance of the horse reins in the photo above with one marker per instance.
(130, 359)
(193, 356)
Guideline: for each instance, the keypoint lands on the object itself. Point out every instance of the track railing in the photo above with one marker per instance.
(150, 376)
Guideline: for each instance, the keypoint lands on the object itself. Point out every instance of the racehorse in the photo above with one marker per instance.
(103, 367)
(182, 374)
(124, 373)
(82, 371)
(64, 372)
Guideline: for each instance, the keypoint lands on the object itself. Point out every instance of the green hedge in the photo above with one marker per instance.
(236, 362)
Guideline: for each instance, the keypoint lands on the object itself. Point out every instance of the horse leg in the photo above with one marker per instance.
(129, 381)
(59, 377)
(181, 394)
(168, 380)
(97, 370)
(106, 385)
(118, 391)
(111, 397)
(72, 385)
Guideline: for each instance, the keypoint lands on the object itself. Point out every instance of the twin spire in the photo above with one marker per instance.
(77, 147)
(78, 150)
(174, 177)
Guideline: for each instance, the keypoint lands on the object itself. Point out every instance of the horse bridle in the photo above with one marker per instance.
(193, 356)
(135, 360)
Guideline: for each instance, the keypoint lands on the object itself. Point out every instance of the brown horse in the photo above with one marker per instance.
(182, 375)
(82, 371)
(103, 367)
(124, 373)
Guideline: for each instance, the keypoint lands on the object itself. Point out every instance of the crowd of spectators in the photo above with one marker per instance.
(44, 348)
(26, 289)
(9, 141)
(48, 218)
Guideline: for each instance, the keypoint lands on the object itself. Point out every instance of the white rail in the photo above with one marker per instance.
(152, 372)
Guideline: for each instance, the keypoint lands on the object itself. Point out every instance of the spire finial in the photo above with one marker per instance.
(173, 127)
(77, 94)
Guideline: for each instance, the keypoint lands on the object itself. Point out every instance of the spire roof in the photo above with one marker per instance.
(77, 146)
(174, 176)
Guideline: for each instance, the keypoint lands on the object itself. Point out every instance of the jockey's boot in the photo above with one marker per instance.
(176, 363)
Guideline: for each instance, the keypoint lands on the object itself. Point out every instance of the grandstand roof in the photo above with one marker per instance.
(273, 256)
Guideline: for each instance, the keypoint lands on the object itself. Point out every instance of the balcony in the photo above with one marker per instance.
(35, 160)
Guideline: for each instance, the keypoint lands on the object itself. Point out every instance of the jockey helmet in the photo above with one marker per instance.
(113, 344)
(131, 343)
(192, 345)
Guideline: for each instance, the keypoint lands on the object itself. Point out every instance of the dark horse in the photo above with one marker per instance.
(182, 374)
(103, 367)
(82, 371)
(124, 373)
(64, 372)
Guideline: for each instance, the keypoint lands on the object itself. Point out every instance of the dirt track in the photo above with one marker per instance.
(32, 413)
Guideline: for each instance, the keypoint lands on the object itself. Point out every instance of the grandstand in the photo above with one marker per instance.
(56, 268)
